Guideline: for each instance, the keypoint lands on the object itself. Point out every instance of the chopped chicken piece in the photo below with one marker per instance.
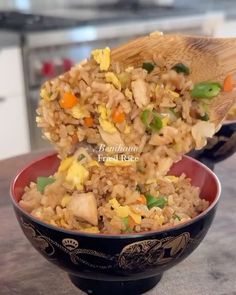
(84, 207)
(139, 89)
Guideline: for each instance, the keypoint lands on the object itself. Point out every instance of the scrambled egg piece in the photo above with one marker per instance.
(102, 57)
(173, 93)
(165, 120)
(112, 78)
(172, 178)
(107, 126)
(124, 211)
(77, 175)
(92, 164)
(104, 119)
(114, 203)
(151, 180)
(65, 164)
(102, 111)
(79, 112)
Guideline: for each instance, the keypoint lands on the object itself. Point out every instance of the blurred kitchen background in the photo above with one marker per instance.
(40, 39)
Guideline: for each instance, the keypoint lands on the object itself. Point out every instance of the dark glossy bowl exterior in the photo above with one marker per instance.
(220, 147)
(129, 264)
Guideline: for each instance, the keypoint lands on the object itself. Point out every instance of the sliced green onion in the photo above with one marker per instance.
(160, 202)
(150, 200)
(149, 67)
(206, 90)
(81, 157)
(155, 202)
(205, 117)
(42, 182)
(175, 216)
(145, 117)
(181, 68)
(156, 123)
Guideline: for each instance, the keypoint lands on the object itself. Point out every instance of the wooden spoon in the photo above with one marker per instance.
(209, 59)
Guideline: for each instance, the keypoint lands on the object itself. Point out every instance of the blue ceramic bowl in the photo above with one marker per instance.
(128, 263)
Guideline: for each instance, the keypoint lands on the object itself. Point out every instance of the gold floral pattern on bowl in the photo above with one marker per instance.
(134, 256)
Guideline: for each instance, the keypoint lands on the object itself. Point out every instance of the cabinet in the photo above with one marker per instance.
(13, 127)
(227, 29)
(11, 74)
(14, 131)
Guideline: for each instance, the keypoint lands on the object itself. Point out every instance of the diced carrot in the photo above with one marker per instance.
(118, 116)
(142, 200)
(228, 83)
(74, 138)
(68, 100)
(88, 121)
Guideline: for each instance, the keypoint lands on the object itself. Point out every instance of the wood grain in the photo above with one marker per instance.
(209, 270)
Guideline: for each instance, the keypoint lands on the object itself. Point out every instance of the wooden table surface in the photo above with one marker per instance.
(210, 270)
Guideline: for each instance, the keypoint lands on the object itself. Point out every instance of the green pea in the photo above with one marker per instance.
(206, 90)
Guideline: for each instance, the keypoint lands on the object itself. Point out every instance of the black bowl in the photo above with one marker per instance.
(129, 263)
(220, 147)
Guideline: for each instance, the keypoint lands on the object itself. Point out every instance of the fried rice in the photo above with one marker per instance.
(87, 196)
(148, 107)
(135, 122)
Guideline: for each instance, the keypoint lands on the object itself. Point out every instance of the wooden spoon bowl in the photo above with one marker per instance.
(210, 59)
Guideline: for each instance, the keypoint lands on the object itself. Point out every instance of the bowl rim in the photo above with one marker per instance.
(228, 122)
(112, 236)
